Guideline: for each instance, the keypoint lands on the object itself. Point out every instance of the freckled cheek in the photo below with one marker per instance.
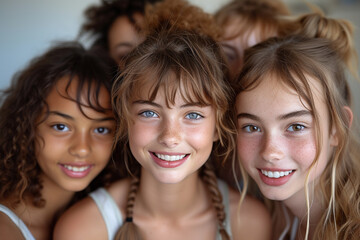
(303, 152)
(141, 134)
(199, 138)
(247, 150)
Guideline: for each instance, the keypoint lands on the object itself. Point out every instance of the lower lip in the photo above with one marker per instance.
(275, 181)
(168, 164)
(73, 174)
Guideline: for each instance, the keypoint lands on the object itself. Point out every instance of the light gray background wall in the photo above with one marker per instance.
(29, 27)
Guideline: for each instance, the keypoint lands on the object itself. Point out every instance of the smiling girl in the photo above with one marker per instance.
(295, 135)
(57, 129)
(173, 103)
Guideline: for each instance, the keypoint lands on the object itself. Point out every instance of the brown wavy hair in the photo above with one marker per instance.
(321, 49)
(99, 18)
(180, 42)
(22, 104)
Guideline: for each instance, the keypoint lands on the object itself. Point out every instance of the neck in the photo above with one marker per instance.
(174, 200)
(297, 205)
(41, 220)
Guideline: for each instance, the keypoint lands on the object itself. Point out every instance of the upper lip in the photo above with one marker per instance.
(276, 169)
(169, 153)
(76, 164)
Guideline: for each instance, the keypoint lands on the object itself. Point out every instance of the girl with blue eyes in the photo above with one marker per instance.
(172, 101)
(295, 136)
(57, 130)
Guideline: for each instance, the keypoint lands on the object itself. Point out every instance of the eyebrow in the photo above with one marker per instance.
(66, 116)
(197, 104)
(281, 117)
(295, 114)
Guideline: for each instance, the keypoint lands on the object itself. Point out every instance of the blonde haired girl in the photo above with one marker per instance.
(295, 134)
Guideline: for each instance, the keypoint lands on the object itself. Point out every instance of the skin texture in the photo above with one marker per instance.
(123, 37)
(184, 129)
(65, 137)
(69, 138)
(276, 133)
(169, 201)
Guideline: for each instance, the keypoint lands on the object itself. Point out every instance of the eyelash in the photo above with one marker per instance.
(291, 128)
(198, 116)
(144, 114)
(247, 128)
(296, 125)
(56, 127)
(153, 114)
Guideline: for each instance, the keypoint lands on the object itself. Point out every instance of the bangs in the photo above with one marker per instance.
(87, 93)
(173, 79)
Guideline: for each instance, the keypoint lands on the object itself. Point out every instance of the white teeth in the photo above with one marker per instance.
(76, 169)
(169, 157)
(276, 174)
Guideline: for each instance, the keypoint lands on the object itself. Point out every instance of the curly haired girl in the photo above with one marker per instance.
(57, 128)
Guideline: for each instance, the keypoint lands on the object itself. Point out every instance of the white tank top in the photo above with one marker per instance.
(113, 218)
(18, 222)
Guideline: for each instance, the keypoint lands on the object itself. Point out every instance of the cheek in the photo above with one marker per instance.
(247, 149)
(303, 151)
(140, 134)
(103, 149)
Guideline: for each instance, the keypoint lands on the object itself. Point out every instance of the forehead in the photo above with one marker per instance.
(123, 30)
(169, 86)
(272, 90)
(67, 88)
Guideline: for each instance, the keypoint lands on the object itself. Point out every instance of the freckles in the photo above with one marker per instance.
(304, 151)
(246, 149)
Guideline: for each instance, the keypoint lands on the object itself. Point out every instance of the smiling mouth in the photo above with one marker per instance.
(76, 169)
(170, 158)
(276, 174)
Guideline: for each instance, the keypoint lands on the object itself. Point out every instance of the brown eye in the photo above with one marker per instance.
(251, 128)
(296, 128)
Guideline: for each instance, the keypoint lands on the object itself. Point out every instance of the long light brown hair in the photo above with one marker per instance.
(314, 51)
(180, 45)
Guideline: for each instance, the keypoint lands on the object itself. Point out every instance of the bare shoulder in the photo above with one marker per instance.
(8, 230)
(85, 212)
(249, 220)
(88, 214)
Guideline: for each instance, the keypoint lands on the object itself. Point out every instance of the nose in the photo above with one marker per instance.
(170, 133)
(272, 149)
(80, 145)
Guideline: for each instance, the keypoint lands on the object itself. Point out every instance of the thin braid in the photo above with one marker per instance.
(129, 231)
(210, 179)
(131, 198)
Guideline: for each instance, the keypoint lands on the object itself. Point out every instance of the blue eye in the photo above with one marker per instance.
(102, 130)
(296, 128)
(251, 128)
(149, 114)
(193, 116)
(60, 127)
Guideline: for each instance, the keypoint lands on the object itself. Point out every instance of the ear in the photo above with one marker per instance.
(216, 135)
(349, 114)
(334, 141)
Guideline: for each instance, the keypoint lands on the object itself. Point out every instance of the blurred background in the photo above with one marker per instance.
(28, 28)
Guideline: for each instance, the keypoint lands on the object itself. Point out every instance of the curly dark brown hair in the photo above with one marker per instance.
(99, 18)
(22, 104)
